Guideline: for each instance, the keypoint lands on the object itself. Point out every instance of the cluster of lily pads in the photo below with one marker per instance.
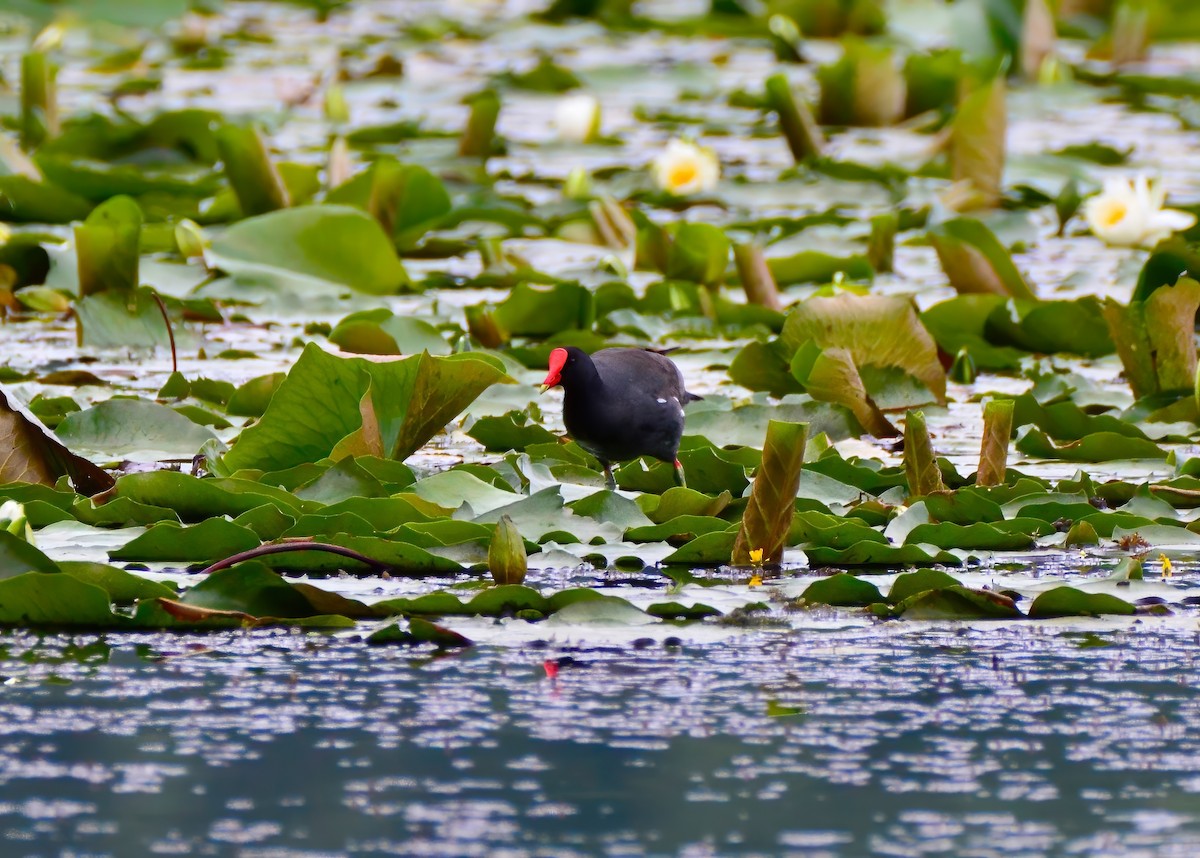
(392, 279)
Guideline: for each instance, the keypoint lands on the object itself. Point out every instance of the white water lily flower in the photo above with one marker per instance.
(1130, 213)
(685, 168)
(577, 118)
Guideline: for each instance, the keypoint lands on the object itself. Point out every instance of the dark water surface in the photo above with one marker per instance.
(905, 741)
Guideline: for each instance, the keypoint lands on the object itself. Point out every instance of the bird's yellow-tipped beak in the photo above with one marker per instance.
(543, 388)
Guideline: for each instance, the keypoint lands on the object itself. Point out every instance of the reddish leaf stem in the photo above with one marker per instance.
(282, 547)
(162, 308)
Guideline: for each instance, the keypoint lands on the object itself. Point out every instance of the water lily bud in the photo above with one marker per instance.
(578, 185)
(340, 167)
(49, 38)
(192, 34)
(577, 118)
(42, 299)
(14, 521)
(507, 560)
(1130, 213)
(963, 370)
(685, 168)
(336, 109)
(189, 238)
(1053, 71)
(786, 39)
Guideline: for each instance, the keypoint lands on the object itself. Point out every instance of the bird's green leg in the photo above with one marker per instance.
(610, 482)
(680, 480)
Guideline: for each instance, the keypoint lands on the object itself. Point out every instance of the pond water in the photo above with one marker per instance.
(826, 735)
(921, 740)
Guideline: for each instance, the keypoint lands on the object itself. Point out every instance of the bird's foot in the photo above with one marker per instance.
(680, 480)
(610, 482)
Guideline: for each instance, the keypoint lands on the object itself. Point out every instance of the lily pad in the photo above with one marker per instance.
(1070, 602)
(327, 245)
(842, 590)
(134, 429)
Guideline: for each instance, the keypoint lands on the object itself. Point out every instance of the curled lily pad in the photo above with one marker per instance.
(877, 331)
(769, 511)
(29, 453)
(976, 262)
(394, 406)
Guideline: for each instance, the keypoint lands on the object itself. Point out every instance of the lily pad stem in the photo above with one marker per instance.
(162, 308)
(282, 547)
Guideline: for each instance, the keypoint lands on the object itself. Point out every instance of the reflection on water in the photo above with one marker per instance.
(891, 742)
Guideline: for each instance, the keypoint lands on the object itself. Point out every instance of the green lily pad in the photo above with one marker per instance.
(1069, 602)
(327, 245)
(133, 428)
(957, 603)
(381, 332)
(510, 431)
(18, 557)
(407, 401)
(52, 599)
(206, 542)
(914, 583)
(872, 553)
(842, 590)
(1095, 447)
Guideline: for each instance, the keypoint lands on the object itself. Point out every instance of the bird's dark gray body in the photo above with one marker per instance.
(619, 404)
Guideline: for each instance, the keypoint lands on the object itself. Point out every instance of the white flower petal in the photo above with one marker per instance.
(684, 168)
(1114, 219)
(577, 118)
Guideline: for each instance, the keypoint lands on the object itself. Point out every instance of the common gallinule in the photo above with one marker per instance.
(619, 404)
